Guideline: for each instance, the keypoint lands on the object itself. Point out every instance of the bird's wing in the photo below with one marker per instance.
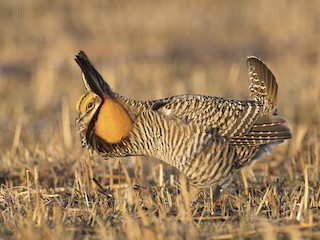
(229, 117)
(266, 129)
(241, 121)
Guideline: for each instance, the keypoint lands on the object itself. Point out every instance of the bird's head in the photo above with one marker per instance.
(100, 114)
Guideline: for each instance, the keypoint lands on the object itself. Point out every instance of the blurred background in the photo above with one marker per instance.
(145, 50)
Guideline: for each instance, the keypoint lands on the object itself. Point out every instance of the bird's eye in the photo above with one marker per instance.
(89, 106)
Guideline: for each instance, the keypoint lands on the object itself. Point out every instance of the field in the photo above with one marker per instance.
(152, 49)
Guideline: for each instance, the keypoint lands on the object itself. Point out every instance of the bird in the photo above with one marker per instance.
(206, 138)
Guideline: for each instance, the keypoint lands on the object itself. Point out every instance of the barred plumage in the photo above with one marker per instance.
(206, 138)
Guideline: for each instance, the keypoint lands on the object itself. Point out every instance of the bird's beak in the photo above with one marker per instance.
(91, 77)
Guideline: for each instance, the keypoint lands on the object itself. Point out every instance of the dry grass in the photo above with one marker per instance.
(152, 49)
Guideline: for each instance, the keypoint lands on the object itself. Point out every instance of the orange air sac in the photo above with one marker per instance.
(113, 122)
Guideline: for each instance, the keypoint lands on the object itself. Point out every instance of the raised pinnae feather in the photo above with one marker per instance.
(91, 77)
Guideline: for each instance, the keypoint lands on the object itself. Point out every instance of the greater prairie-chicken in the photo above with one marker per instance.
(206, 138)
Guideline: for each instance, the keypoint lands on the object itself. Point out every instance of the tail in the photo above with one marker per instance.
(91, 77)
(263, 86)
(269, 129)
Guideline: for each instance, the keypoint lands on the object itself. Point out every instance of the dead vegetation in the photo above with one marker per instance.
(148, 49)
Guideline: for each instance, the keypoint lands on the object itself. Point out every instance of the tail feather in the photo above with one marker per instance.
(263, 86)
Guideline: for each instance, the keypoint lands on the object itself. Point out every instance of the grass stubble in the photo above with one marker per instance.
(51, 188)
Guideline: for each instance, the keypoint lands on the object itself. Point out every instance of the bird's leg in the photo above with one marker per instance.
(213, 196)
(209, 197)
(215, 193)
(194, 193)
